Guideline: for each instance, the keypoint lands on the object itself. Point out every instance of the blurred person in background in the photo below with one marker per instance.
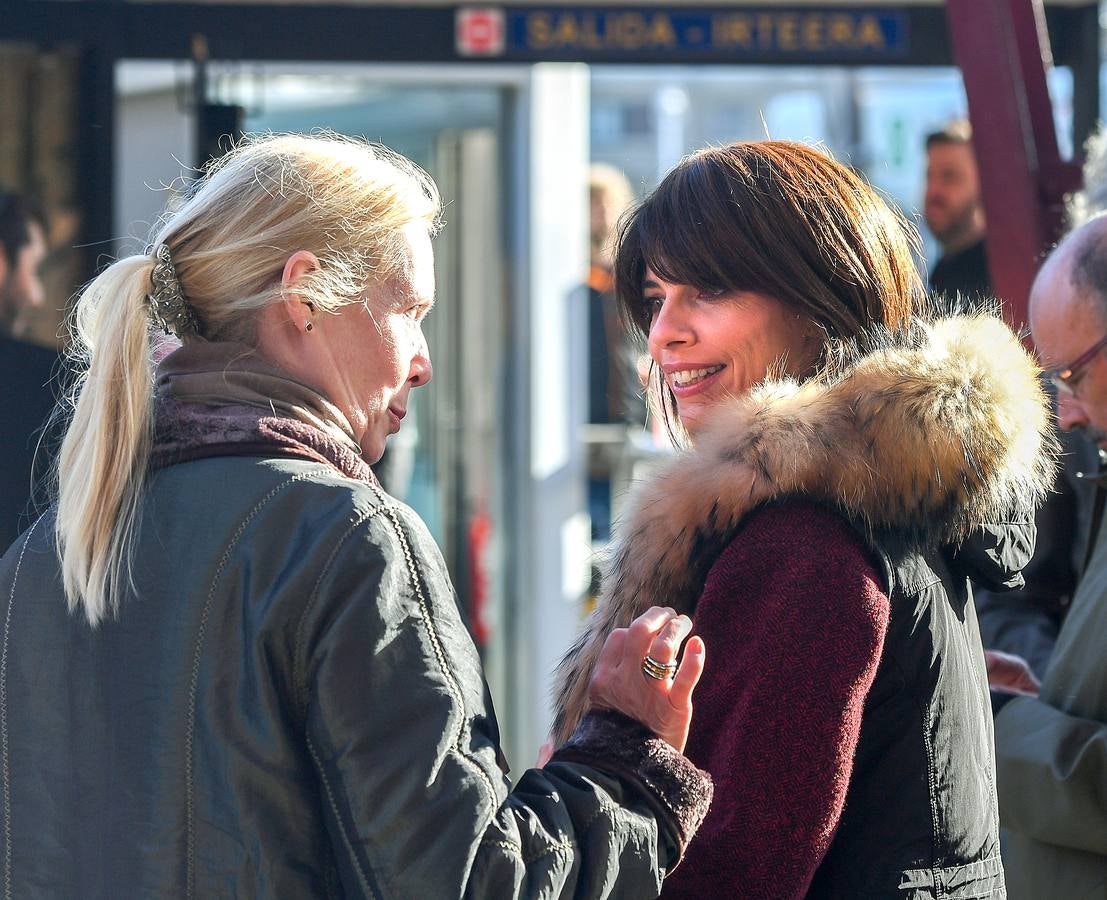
(849, 461)
(26, 368)
(1091, 199)
(1052, 749)
(233, 665)
(954, 212)
(614, 391)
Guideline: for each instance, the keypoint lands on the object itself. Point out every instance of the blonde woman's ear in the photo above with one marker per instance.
(296, 268)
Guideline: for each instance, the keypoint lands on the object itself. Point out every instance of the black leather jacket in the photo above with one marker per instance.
(288, 705)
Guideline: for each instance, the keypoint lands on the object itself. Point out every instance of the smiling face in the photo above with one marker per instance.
(732, 245)
(712, 346)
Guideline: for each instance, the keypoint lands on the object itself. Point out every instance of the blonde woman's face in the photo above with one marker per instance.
(377, 352)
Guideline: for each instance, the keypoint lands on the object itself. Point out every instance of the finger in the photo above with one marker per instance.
(643, 630)
(1010, 674)
(1030, 687)
(611, 655)
(665, 646)
(997, 661)
(612, 651)
(1004, 668)
(1028, 683)
(688, 675)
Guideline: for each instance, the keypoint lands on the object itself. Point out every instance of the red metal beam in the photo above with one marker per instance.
(1003, 50)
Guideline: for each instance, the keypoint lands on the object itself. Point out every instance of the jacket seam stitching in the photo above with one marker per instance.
(362, 877)
(984, 696)
(928, 747)
(932, 783)
(298, 664)
(439, 654)
(560, 846)
(190, 812)
(4, 717)
(504, 843)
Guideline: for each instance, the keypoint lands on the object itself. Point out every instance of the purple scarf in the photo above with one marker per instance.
(222, 399)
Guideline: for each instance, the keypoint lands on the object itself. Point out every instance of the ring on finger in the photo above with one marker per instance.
(657, 670)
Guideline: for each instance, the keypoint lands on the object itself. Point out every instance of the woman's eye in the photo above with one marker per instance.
(653, 304)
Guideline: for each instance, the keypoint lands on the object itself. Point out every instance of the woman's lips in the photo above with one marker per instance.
(395, 416)
(696, 387)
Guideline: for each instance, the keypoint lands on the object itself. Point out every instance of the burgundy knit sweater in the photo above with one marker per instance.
(794, 616)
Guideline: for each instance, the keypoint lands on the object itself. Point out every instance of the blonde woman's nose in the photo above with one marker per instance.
(422, 370)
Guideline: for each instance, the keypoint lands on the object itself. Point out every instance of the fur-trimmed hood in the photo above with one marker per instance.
(927, 433)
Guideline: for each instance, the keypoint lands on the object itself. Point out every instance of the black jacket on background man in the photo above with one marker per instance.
(26, 373)
(964, 273)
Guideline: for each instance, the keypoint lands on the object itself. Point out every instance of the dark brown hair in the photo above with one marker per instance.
(778, 218)
(17, 214)
(959, 131)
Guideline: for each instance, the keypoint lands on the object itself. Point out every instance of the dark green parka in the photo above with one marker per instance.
(288, 705)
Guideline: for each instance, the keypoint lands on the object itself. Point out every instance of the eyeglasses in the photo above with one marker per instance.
(1066, 378)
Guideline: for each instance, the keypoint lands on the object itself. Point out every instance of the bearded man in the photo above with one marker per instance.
(954, 213)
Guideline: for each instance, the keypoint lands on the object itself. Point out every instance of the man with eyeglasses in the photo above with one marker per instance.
(1052, 749)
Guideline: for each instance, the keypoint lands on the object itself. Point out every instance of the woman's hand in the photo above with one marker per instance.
(619, 682)
(1010, 674)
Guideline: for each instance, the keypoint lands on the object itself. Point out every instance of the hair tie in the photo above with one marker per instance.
(166, 302)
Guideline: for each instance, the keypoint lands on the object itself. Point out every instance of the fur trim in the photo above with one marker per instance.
(926, 433)
(611, 742)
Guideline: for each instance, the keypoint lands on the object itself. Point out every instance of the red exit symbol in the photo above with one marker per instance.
(480, 32)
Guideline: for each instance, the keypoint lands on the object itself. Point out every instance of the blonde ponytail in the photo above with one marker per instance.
(102, 463)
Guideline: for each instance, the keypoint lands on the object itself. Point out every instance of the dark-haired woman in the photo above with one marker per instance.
(847, 464)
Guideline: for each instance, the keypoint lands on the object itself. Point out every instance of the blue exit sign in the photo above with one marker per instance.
(772, 32)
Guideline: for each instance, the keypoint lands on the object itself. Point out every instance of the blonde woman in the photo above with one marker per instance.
(231, 665)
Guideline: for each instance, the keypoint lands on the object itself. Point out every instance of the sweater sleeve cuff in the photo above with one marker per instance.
(614, 743)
